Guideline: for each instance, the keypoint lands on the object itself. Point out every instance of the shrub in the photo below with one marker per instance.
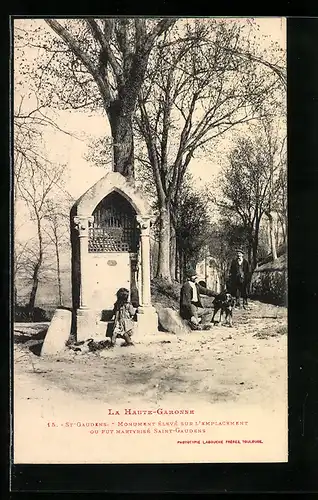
(23, 314)
(270, 286)
(165, 293)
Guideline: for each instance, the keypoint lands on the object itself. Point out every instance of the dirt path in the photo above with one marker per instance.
(246, 364)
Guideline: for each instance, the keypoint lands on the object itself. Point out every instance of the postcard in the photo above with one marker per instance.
(150, 240)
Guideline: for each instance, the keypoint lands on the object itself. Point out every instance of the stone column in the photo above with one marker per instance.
(85, 319)
(146, 317)
(145, 299)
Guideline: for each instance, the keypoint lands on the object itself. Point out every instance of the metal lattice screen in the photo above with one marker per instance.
(115, 227)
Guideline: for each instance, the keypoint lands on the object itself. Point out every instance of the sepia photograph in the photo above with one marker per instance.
(150, 240)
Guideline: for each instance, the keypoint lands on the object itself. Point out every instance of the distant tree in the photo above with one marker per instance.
(245, 186)
(19, 260)
(35, 187)
(251, 185)
(277, 196)
(193, 227)
(38, 184)
(57, 231)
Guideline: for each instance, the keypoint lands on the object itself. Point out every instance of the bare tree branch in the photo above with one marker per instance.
(106, 49)
(159, 29)
(73, 45)
(76, 49)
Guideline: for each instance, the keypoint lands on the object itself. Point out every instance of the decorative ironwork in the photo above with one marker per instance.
(115, 226)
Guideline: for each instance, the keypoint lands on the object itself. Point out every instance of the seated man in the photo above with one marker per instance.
(191, 307)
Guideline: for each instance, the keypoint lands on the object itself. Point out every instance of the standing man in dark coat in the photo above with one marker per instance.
(239, 278)
(191, 307)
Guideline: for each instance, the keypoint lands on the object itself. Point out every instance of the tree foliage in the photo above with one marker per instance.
(35, 186)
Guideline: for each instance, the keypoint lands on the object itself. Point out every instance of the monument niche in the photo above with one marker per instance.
(110, 232)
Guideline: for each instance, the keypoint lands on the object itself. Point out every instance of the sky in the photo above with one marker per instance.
(71, 149)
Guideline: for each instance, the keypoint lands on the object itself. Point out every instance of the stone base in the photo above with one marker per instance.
(85, 324)
(89, 326)
(147, 321)
(58, 333)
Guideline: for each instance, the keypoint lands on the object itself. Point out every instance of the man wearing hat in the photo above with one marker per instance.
(191, 307)
(239, 278)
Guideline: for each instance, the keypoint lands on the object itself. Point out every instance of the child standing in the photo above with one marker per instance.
(123, 313)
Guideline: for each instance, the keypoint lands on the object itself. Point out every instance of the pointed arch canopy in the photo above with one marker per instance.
(111, 182)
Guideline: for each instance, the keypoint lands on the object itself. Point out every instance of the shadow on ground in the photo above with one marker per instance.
(139, 377)
(33, 342)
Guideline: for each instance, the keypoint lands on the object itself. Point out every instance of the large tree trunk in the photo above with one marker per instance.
(35, 283)
(184, 265)
(163, 270)
(123, 140)
(173, 250)
(255, 245)
(181, 266)
(58, 271)
(250, 251)
(178, 266)
(283, 229)
(272, 235)
(36, 270)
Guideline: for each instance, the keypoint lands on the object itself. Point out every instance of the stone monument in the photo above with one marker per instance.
(110, 236)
